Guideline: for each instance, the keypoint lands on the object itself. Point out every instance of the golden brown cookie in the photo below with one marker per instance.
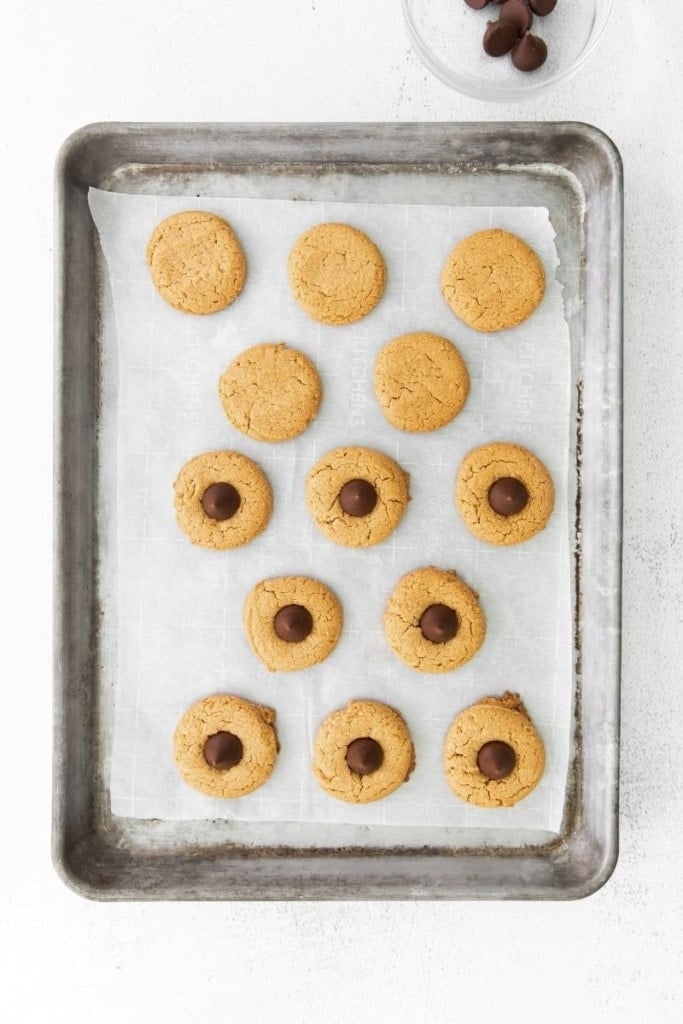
(196, 262)
(356, 496)
(493, 756)
(270, 392)
(222, 500)
(292, 622)
(421, 381)
(493, 280)
(504, 493)
(433, 621)
(363, 752)
(225, 746)
(337, 275)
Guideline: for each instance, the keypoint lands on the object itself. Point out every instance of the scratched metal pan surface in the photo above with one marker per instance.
(575, 171)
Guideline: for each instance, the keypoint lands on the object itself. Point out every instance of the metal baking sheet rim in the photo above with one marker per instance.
(91, 853)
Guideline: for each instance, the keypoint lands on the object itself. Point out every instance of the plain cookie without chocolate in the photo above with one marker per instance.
(336, 273)
(421, 381)
(493, 280)
(270, 392)
(196, 262)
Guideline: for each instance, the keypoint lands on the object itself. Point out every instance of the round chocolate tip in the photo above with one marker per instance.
(364, 756)
(223, 750)
(529, 53)
(358, 497)
(517, 13)
(542, 7)
(293, 623)
(478, 5)
(496, 759)
(499, 38)
(508, 496)
(220, 501)
(438, 623)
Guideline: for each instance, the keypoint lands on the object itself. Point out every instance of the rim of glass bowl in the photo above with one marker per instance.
(483, 91)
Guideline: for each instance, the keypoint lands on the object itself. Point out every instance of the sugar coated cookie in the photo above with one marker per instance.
(222, 500)
(270, 392)
(225, 746)
(337, 275)
(504, 494)
(356, 496)
(363, 752)
(421, 381)
(433, 621)
(196, 262)
(493, 756)
(292, 622)
(493, 280)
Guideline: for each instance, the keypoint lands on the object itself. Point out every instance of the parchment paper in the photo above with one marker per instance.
(180, 633)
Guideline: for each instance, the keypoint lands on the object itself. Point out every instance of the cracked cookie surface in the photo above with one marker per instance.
(493, 719)
(268, 598)
(255, 500)
(412, 596)
(477, 473)
(270, 392)
(254, 727)
(335, 469)
(196, 262)
(493, 280)
(336, 273)
(421, 381)
(362, 719)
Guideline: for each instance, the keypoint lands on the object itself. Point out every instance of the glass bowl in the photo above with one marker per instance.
(447, 36)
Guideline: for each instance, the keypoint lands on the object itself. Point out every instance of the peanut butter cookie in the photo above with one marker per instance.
(337, 274)
(356, 496)
(270, 392)
(196, 262)
(421, 381)
(504, 494)
(493, 280)
(225, 746)
(222, 500)
(433, 621)
(493, 756)
(292, 622)
(363, 752)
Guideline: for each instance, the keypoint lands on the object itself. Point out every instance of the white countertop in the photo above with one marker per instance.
(613, 957)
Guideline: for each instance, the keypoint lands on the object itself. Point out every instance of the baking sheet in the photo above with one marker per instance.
(179, 619)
